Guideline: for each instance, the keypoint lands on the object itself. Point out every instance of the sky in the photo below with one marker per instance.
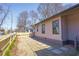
(15, 10)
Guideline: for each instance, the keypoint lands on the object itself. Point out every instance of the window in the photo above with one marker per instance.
(37, 28)
(43, 28)
(55, 27)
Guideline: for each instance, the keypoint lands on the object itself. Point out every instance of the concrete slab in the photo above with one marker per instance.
(57, 51)
(40, 43)
(36, 48)
(44, 45)
(50, 48)
(64, 48)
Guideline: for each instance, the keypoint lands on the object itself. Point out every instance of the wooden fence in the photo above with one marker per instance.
(5, 42)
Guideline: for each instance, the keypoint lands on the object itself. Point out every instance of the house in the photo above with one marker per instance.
(2, 31)
(29, 28)
(62, 27)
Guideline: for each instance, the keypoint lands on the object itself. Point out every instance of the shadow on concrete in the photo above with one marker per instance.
(45, 52)
(51, 51)
(50, 42)
(54, 44)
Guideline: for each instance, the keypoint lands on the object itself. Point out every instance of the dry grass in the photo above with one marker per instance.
(14, 48)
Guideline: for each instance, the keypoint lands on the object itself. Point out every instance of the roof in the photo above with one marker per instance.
(75, 6)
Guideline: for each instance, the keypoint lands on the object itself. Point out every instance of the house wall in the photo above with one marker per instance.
(64, 27)
(73, 26)
(70, 27)
(48, 29)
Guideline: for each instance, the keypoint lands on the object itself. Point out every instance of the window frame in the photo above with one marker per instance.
(55, 27)
(43, 28)
(37, 28)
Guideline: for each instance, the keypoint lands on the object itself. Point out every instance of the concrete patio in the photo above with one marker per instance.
(27, 46)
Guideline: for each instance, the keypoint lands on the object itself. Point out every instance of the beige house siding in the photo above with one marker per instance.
(73, 26)
(70, 25)
(48, 29)
(64, 26)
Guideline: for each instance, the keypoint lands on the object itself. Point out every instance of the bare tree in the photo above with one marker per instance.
(47, 9)
(43, 9)
(55, 8)
(34, 16)
(22, 21)
(3, 14)
(29, 22)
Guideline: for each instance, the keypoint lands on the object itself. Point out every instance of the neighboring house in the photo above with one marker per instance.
(21, 29)
(63, 27)
(29, 29)
(2, 32)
